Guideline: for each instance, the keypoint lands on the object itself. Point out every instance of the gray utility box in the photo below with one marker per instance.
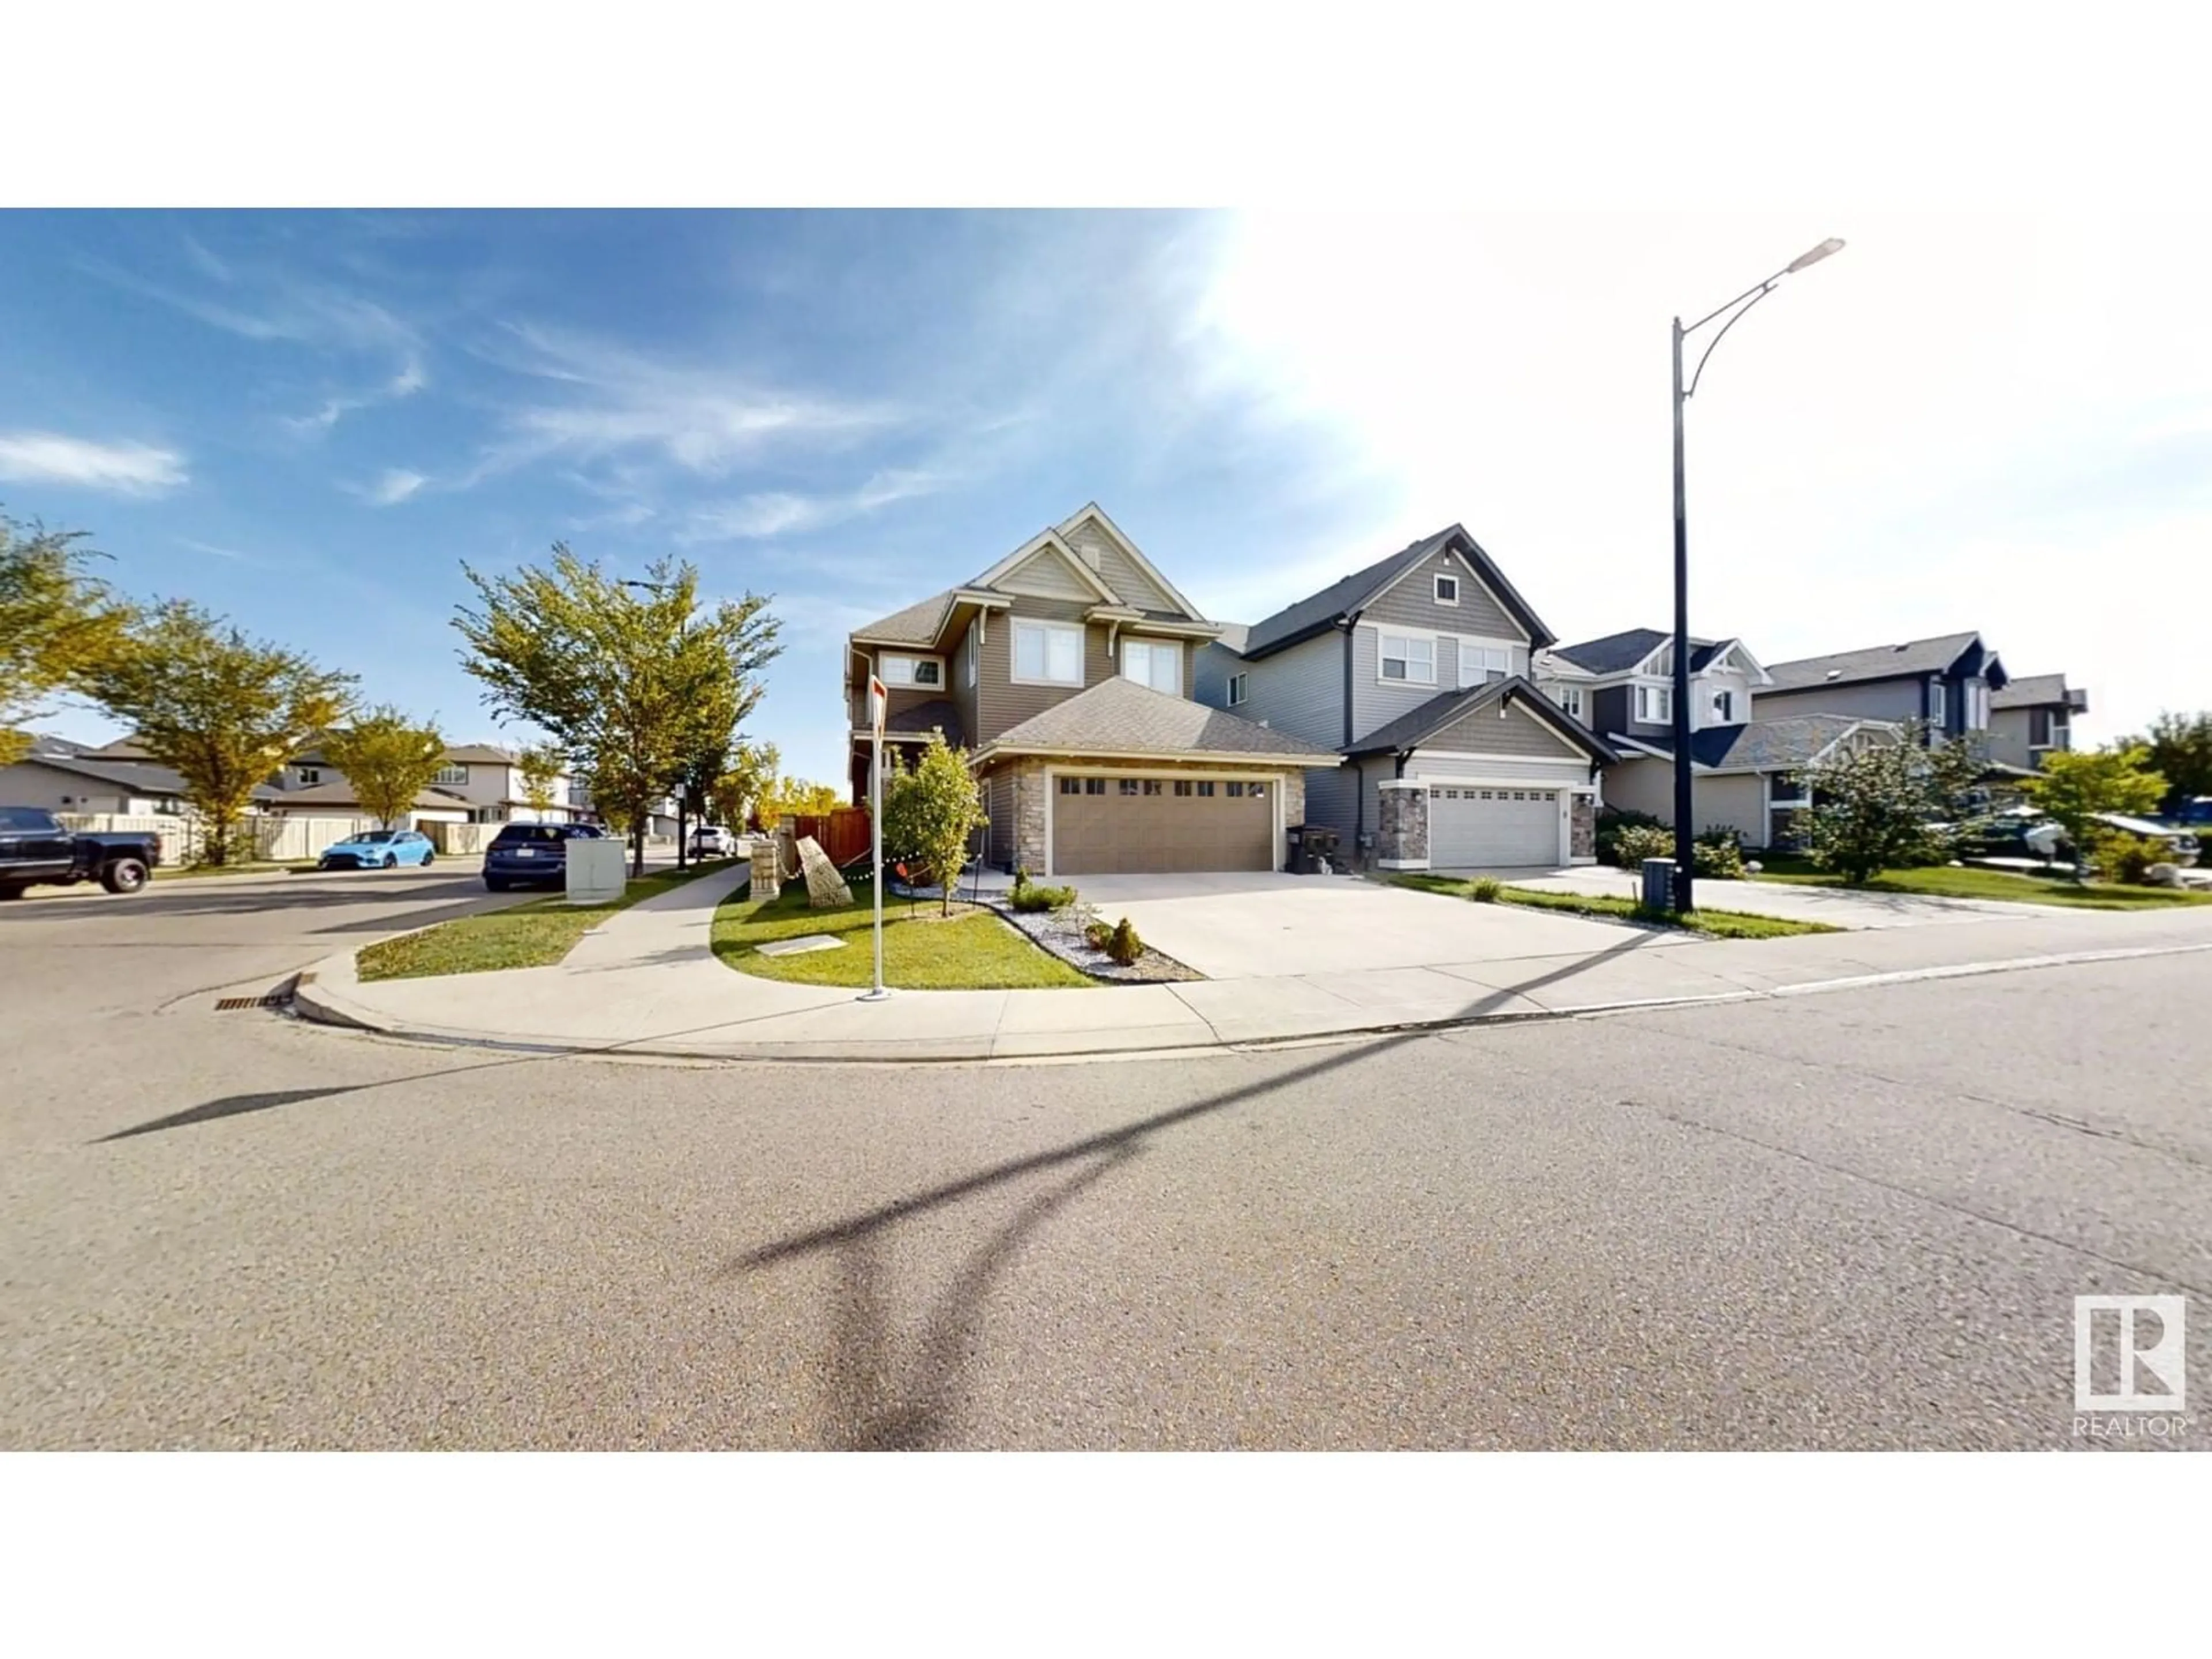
(1658, 885)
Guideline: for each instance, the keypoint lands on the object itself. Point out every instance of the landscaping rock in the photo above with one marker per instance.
(826, 888)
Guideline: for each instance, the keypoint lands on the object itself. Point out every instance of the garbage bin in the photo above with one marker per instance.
(1658, 883)
(1313, 849)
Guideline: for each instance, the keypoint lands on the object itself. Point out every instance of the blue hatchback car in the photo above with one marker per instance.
(379, 850)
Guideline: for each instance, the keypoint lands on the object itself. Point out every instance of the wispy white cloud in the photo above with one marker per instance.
(704, 422)
(397, 484)
(215, 552)
(123, 468)
(410, 379)
(759, 517)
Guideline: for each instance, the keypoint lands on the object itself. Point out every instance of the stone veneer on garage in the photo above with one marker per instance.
(1402, 836)
(1582, 826)
(1031, 781)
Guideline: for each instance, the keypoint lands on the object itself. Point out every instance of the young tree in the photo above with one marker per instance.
(1874, 806)
(57, 624)
(930, 811)
(388, 758)
(223, 710)
(797, 796)
(2180, 751)
(2074, 786)
(616, 673)
(540, 766)
(751, 767)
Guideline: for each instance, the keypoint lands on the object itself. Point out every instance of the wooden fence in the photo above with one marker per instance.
(842, 832)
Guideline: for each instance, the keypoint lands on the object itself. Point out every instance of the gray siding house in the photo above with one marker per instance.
(1415, 669)
(1948, 680)
(2030, 717)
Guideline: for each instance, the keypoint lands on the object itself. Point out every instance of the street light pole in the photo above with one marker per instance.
(1686, 839)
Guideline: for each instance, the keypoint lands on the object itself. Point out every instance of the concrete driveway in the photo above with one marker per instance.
(1256, 925)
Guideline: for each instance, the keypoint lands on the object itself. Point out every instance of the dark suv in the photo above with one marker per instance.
(523, 853)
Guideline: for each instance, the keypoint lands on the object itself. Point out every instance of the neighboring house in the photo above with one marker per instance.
(1747, 778)
(66, 777)
(1623, 684)
(1065, 670)
(1416, 670)
(2032, 716)
(1948, 680)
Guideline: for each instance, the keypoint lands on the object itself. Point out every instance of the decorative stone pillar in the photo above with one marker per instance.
(766, 883)
(1402, 836)
(1582, 828)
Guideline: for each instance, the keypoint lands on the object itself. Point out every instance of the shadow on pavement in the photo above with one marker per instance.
(239, 1105)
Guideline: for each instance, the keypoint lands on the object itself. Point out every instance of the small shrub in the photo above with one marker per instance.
(1124, 946)
(1486, 889)
(1639, 841)
(1097, 933)
(1721, 859)
(2125, 858)
(1611, 821)
(1028, 900)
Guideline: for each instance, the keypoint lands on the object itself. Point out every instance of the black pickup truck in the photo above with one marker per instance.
(36, 851)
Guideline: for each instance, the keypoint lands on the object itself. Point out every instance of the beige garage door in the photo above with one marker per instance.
(1117, 826)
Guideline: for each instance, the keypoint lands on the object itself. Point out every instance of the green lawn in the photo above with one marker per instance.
(533, 935)
(1943, 882)
(974, 950)
(1717, 924)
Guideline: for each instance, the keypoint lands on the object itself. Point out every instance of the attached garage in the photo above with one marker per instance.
(1471, 827)
(1109, 824)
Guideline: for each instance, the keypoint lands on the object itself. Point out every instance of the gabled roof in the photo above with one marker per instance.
(1878, 662)
(918, 624)
(1135, 556)
(1617, 653)
(139, 777)
(2037, 690)
(344, 794)
(1411, 728)
(1318, 612)
(1775, 746)
(1117, 716)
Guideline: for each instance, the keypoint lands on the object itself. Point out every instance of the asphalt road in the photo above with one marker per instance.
(1853, 1220)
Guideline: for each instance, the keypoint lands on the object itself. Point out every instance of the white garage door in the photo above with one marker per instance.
(1470, 828)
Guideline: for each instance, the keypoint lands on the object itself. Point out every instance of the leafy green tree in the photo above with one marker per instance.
(2180, 752)
(616, 672)
(2075, 786)
(798, 797)
(223, 710)
(388, 758)
(539, 768)
(931, 809)
(751, 767)
(1875, 805)
(57, 624)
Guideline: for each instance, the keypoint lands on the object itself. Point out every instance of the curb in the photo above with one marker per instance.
(320, 1003)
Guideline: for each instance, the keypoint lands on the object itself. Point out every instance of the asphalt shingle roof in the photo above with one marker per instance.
(1878, 662)
(1407, 731)
(1119, 716)
(938, 714)
(1319, 610)
(1775, 746)
(2031, 691)
(343, 794)
(140, 777)
(915, 625)
(1616, 653)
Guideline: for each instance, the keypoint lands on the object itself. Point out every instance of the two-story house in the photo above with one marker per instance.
(1415, 670)
(478, 783)
(1065, 670)
(1947, 681)
(1746, 769)
(2030, 717)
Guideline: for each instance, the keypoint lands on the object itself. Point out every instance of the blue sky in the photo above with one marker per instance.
(308, 421)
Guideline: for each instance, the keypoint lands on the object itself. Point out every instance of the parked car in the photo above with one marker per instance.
(36, 851)
(711, 841)
(2018, 833)
(379, 850)
(2181, 843)
(522, 855)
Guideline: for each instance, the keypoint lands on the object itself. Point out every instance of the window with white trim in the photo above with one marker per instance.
(1409, 657)
(895, 670)
(1153, 663)
(1724, 707)
(1978, 705)
(1447, 588)
(1569, 697)
(1481, 663)
(1786, 789)
(310, 775)
(974, 652)
(1047, 653)
(450, 774)
(1936, 701)
(1236, 690)
(1655, 704)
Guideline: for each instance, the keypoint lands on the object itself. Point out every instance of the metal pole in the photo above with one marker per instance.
(1684, 834)
(876, 845)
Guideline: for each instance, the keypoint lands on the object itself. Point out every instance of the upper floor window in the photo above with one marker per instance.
(974, 652)
(1978, 705)
(1154, 664)
(1569, 697)
(1481, 663)
(1409, 657)
(1936, 690)
(451, 774)
(1724, 707)
(1447, 588)
(910, 671)
(1237, 691)
(1655, 704)
(1048, 653)
(309, 775)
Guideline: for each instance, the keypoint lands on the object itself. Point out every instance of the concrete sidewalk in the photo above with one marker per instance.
(645, 983)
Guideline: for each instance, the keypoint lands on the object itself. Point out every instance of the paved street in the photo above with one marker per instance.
(1856, 1219)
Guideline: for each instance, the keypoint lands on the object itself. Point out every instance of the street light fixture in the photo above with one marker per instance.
(1684, 834)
